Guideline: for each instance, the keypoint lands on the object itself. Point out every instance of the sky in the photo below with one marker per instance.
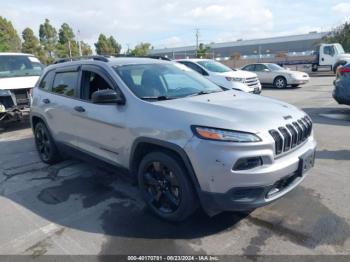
(173, 23)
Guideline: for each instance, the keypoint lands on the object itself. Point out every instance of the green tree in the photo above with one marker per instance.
(340, 35)
(85, 48)
(31, 45)
(48, 39)
(141, 49)
(114, 46)
(107, 46)
(9, 39)
(67, 46)
(203, 51)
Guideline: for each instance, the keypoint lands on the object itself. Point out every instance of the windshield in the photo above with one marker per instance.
(340, 49)
(18, 65)
(213, 66)
(167, 81)
(274, 67)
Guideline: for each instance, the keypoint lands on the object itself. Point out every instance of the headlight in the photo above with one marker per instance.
(216, 134)
(236, 79)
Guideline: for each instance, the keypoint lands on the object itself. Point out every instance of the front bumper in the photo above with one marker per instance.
(223, 189)
(298, 81)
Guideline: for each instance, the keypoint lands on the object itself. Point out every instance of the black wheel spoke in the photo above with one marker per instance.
(162, 187)
(150, 180)
(171, 200)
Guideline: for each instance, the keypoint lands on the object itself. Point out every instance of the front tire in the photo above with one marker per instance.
(45, 144)
(166, 187)
(280, 82)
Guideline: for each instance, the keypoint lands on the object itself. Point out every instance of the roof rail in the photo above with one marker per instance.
(146, 56)
(77, 58)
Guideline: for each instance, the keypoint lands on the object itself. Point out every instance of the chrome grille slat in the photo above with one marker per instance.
(290, 136)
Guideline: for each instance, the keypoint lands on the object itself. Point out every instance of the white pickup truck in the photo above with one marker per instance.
(18, 75)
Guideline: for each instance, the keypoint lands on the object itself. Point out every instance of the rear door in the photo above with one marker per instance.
(57, 101)
(100, 127)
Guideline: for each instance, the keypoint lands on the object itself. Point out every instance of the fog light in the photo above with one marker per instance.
(248, 163)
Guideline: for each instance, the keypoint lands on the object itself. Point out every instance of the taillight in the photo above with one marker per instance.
(343, 70)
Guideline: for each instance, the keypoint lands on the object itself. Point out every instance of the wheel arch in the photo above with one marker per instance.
(35, 119)
(143, 145)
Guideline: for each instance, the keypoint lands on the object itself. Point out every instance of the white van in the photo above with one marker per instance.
(18, 75)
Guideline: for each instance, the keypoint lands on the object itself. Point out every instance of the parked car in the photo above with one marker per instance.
(279, 77)
(223, 75)
(18, 75)
(341, 92)
(187, 140)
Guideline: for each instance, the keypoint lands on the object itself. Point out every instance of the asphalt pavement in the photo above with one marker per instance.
(74, 208)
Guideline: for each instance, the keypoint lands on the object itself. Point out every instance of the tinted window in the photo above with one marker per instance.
(329, 50)
(259, 67)
(249, 68)
(194, 67)
(46, 82)
(92, 82)
(65, 83)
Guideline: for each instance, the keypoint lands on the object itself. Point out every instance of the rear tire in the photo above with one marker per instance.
(280, 82)
(166, 187)
(45, 144)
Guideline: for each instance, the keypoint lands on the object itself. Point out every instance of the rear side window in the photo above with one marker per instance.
(46, 82)
(65, 83)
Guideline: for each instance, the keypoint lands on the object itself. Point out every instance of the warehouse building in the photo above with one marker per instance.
(298, 45)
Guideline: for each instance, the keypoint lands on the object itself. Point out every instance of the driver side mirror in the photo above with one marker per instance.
(107, 96)
(266, 70)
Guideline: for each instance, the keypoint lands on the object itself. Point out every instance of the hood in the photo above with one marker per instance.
(238, 74)
(234, 110)
(18, 82)
(343, 56)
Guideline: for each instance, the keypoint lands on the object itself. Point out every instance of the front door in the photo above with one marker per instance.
(100, 127)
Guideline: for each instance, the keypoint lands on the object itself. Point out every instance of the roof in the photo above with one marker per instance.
(113, 61)
(14, 54)
(261, 41)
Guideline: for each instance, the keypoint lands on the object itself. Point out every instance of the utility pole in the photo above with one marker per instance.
(79, 43)
(197, 40)
(70, 49)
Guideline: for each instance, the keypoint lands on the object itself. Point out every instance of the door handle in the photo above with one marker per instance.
(79, 109)
(46, 101)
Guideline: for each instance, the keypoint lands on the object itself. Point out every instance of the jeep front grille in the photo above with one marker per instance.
(289, 136)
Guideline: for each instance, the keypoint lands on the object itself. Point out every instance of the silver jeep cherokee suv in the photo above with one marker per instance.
(186, 140)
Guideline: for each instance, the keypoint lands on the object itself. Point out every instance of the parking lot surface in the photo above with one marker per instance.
(74, 208)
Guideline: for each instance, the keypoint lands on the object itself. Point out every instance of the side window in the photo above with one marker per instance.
(65, 83)
(194, 67)
(46, 82)
(92, 82)
(260, 68)
(249, 68)
(328, 50)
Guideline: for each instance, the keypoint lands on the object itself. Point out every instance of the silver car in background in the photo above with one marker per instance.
(279, 77)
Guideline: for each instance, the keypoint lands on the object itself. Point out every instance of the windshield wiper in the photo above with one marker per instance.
(157, 98)
(203, 93)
